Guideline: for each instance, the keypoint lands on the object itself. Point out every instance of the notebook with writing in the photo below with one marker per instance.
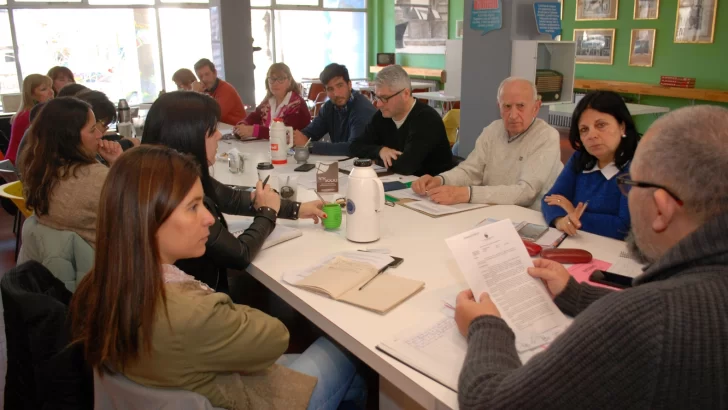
(280, 234)
(342, 278)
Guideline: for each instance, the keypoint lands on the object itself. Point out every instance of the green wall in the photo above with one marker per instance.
(381, 34)
(705, 62)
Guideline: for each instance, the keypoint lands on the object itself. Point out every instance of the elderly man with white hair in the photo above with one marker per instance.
(405, 135)
(660, 344)
(515, 161)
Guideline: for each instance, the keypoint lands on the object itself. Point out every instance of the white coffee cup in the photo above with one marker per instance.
(265, 170)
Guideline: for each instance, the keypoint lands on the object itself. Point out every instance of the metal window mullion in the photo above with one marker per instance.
(159, 42)
(16, 52)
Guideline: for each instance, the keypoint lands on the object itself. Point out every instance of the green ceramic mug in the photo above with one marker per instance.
(333, 216)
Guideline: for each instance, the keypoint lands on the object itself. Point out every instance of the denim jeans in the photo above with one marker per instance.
(339, 383)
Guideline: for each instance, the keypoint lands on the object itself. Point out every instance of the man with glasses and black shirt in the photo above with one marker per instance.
(663, 342)
(343, 117)
(515, 161)
(405, 135)
(232, 110)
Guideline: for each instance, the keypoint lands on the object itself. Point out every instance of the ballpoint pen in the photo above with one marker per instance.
(266, 181)
(373, 277)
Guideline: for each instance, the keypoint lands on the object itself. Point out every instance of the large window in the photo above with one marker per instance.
(115, 51)
(307, 35)
(8, 72)
(114, 46)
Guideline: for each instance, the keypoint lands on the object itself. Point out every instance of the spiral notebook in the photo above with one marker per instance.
(280, 234)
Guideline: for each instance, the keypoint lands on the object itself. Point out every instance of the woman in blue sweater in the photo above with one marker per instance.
(605, 138)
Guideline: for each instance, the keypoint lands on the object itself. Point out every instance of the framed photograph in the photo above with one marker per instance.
(642, 47)
(587, 10)
(695, 21)
(646, 9)
(594, 46)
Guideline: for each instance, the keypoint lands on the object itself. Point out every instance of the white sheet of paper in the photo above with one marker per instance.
(545, 241)
(436, 348)
(409, 194)
(377, 259)
(626, 266)
(281, 233)
(494, 260)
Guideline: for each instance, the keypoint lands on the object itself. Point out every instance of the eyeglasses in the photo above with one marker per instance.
(384, 100)
(102, 126)
(625, 184)
(277, 80)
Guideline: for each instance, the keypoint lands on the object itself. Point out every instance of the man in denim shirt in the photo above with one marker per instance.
(343, 116)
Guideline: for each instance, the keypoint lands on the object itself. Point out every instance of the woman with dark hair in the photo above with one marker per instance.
(60, 76)
(282, 100)
(605, 139)
(187, 121)
(61, 178)
(71, 90)
(137, 314)
(105, 113)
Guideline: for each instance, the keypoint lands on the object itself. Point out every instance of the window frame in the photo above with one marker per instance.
(13, 5)
(274, 6)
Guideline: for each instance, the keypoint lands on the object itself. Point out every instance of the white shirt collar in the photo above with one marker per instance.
(609, 171)
(276, 109)
(399, 123)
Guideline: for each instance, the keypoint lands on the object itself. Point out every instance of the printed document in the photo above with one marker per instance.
(493, 259)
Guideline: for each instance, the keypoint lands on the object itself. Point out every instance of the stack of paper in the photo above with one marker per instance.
(423, 204)
(281, 233)
(493, 259)
(436, 349)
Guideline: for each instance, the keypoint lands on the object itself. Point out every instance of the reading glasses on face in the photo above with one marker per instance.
(384, 100)
(277, 80)
(625, 184)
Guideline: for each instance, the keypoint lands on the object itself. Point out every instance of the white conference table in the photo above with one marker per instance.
(417, 238)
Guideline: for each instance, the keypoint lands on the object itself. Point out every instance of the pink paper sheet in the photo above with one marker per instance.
(581, 271)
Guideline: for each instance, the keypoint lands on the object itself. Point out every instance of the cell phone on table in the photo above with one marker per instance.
(532, 232)
(304, 167)
(611, 279)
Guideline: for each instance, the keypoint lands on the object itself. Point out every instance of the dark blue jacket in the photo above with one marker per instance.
(342, 124)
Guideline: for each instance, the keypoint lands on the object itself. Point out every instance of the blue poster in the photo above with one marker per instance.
(487, 15)
(548, 18)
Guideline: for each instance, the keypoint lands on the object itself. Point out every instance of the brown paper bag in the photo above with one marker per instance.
(327, 177)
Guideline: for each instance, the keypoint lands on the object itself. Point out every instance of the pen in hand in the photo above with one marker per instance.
(265, 181)
(373, 277)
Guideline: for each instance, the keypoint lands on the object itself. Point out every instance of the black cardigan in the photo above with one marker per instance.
(421, 139)
(223, 250)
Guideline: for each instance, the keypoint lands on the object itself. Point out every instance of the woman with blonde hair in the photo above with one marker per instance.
(283, 100)
(37, 88)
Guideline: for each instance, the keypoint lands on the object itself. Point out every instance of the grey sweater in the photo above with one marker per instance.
(661, 344)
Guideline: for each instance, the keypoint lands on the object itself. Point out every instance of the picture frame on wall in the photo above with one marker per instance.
(594, 45)
(589, 10)
(695, 21)
(646, 9)
(642, 47)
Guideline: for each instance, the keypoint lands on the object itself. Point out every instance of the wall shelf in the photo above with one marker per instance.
(414, 71)
(652, 90)
(528, 56)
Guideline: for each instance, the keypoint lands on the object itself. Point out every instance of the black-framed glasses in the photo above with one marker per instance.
(277, 80)
(384, 100)
(625, 184)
